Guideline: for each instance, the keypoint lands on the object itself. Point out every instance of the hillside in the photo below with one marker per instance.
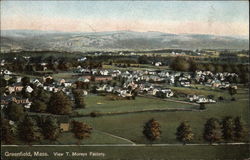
(83, 41)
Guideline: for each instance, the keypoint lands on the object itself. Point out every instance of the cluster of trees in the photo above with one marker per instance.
(52, 63)
(229, 129)
(29, 130)
(36, 129)
(57, 103)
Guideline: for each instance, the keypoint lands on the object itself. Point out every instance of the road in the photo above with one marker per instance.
(127, 140)
(134, 145)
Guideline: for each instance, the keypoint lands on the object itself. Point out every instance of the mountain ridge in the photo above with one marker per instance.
(81, 41)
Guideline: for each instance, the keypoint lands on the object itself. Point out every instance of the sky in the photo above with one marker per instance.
(200, 17)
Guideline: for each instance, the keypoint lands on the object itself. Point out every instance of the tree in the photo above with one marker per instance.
(3, 82)
(143, 60)
(29, 131)
(152, 130)
(202, 106)
(43, 95)
(244, 77)
(228, 128)
(81, 129)
(239, 130)
(210, 67)
(212, 131)
(180, 64)
(79, 98)
(232, 91)
(15, 111)
(50, 128)
(7, 135)
(218, 68)
(12, 80)
(25, 94)
(38, 106)
(201, 67)
(227, 68)
(25, 81)
(193, 65)
(184, 133)
(59, 103)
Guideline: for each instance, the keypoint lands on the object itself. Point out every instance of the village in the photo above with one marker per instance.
(147, 82)
(119, 84)
(128, 99)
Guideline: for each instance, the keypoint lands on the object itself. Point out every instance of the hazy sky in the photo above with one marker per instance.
(204, 17)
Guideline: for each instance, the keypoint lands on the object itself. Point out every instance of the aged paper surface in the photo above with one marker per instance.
(124, 80)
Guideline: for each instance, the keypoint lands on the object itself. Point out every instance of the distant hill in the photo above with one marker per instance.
(129, 40)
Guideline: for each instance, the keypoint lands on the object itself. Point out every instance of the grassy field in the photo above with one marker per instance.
(104, 105)
(141, 67)
(140, 153)
(64, 75)
(130, 126)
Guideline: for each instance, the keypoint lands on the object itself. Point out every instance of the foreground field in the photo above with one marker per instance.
(130, 126)
(121, 132)
(222, 152)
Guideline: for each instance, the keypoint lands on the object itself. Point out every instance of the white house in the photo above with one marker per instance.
(29, 89)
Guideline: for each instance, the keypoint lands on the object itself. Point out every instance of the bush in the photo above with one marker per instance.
(220, 98)
(233, 99)
(202, 106)
(95, 114)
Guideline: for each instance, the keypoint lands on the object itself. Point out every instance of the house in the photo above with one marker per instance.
(102, 78)
(5, 72)
(5, 100)
(28, 89)
(61, 81)
(101, 88)
(185, 83)
(193, 98)
(164, 93)
(17, 87)
(43, 66)
(104, 72)
(200, 99)
(37, 83)
(2, 62)
(47, 77)
(67, 84)
(158, 64)
(85, 93)
(124, 93)
(49, 88)
(7, 77)
(109, 89)
(84, 79)
(81, 59)
(18, 79)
